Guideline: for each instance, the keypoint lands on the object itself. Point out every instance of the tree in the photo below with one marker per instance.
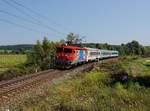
(42, 55)
(62, 41)
(6, 52)
(104, 46)
(147, 51)
(71, 38)
(74, 39)
(134, 48)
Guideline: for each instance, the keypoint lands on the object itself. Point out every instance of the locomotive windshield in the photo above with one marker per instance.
(67, 50)
(59, 50)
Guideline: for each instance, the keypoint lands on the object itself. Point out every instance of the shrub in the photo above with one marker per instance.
(18, 71)
(42, 55)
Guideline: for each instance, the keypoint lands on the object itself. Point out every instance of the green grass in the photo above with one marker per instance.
(11, 61)
(139, 67)
(134, 67)
(98, 90)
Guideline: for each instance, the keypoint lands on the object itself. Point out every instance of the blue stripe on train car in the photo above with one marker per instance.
(81, 55)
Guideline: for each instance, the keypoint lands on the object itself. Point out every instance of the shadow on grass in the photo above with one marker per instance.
(124, 78)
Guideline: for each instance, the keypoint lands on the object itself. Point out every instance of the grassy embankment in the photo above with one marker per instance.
(11, 61)
(122, 85)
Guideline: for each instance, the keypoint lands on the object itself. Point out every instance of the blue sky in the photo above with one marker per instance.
(111, 21)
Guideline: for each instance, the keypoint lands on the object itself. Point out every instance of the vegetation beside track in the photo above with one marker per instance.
(115, 85)
(8, 61)
(42, 57)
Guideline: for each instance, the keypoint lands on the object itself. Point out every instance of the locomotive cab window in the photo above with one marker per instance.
(58, 50)
(67, 50)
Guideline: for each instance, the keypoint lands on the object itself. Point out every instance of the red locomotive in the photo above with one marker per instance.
(67, 56)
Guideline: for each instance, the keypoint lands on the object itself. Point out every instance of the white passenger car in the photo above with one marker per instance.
(92, 54)
(95, 54)
(108, 53)
(114, 54)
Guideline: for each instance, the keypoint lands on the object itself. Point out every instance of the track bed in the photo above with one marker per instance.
(10, 90)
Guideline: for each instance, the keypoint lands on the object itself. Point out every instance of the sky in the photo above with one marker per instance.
(99, 21)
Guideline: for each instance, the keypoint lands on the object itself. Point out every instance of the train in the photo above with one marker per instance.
(68, 56)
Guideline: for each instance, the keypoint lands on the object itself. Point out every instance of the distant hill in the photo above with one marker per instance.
(17, 47)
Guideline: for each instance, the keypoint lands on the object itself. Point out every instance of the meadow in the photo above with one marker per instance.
(11, 61)
(122, 85)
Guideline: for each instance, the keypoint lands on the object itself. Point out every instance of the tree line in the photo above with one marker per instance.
(16, 49)
(42, 55)
(130, 48)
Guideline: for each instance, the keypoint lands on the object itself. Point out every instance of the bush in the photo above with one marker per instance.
(18, 71)
(42, 55)
(11, 73)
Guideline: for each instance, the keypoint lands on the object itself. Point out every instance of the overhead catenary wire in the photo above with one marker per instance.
(20, 25)
(21, 11)
(36, 13)
(16, 16)
(27, 28)
(33, 18)
(21, 18)
(14, 3)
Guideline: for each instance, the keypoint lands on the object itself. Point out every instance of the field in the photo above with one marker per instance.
(11, 61)
(122, 85)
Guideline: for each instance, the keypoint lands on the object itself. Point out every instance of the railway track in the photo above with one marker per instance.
(12, 90)
(9, 90)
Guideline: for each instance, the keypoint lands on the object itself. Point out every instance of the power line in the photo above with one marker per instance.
(16, 16)
(24, 27)
(19, 25)
(38, 21)
(22, 18)
(30, 16)
(21, 11)
(34, 12)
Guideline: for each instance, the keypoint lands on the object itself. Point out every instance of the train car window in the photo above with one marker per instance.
(105, 53)
(58, 50)
(94, 53)
(114, 53)
(67, 50)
